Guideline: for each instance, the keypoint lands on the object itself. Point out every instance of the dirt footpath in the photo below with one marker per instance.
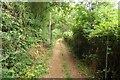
(56, 69)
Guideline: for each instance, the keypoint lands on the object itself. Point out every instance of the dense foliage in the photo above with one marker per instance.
(95, 34)
(21, 29)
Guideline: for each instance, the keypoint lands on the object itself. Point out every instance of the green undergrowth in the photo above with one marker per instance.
(85, 69)
(39, 69)
(25, 36)
(29, 67)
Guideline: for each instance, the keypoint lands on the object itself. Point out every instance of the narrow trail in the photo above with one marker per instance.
(56, 66)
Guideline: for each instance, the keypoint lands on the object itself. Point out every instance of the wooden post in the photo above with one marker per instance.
(106, 61)
(50, 27)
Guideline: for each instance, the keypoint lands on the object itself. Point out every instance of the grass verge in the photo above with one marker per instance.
(67, 75)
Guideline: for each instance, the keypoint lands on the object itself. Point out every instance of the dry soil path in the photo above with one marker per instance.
(56, 66)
